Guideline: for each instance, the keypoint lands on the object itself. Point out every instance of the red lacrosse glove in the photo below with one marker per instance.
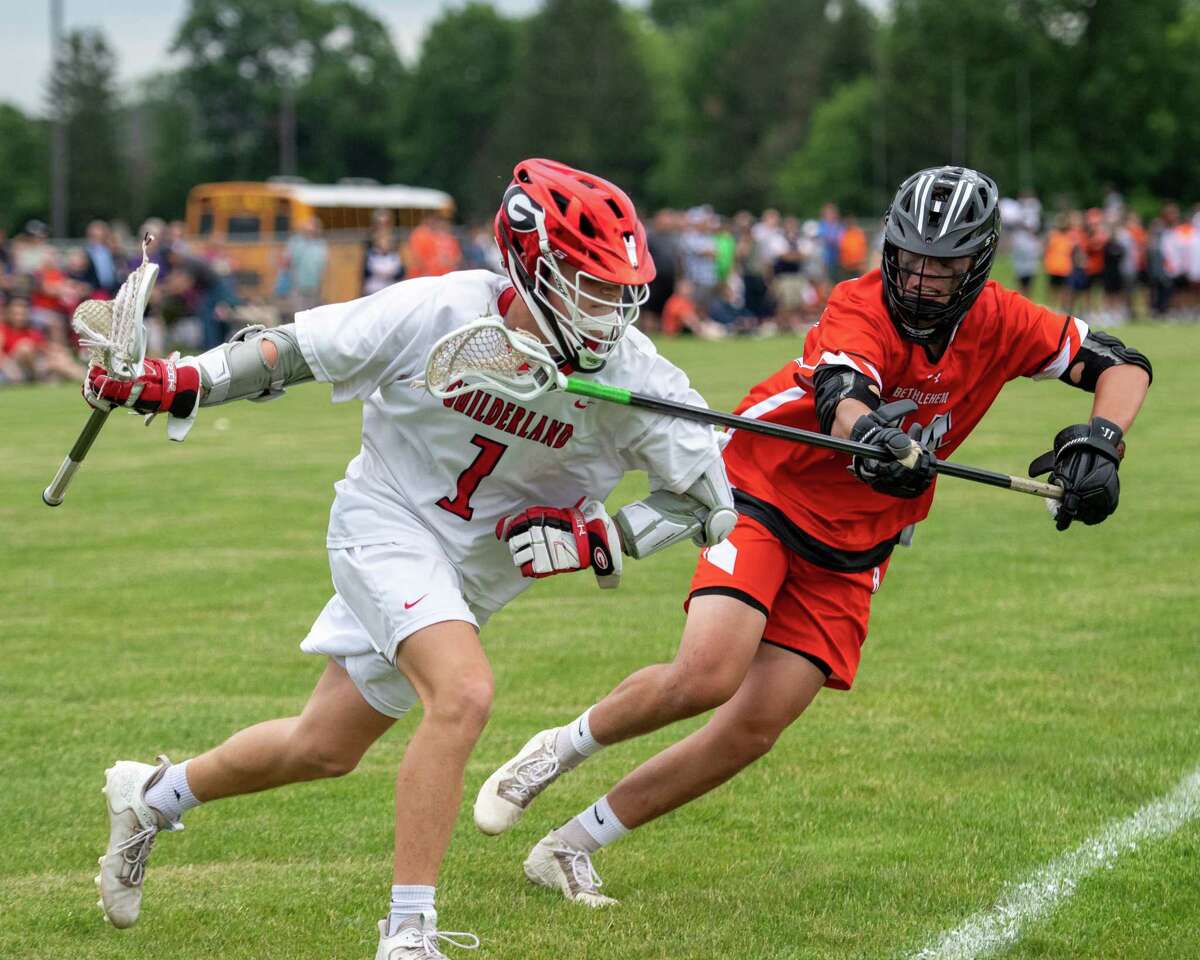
(164, 387)
(549, 540)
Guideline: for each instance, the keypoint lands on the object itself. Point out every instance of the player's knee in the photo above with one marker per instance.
(749, 740)
(691, 691)
(320, 759)
(464, 707)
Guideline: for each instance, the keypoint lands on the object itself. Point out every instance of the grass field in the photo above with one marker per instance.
(1020, 689)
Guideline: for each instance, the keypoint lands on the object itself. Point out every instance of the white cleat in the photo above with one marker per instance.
(567, 869)
(417, 940)
(508, 792)
(133, 825)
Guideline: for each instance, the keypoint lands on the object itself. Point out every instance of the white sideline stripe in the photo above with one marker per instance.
(1037, 897)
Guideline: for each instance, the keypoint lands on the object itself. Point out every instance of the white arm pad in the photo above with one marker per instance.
(237, 370)
(704, 514)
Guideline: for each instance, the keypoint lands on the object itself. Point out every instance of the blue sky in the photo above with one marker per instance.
(140, 32)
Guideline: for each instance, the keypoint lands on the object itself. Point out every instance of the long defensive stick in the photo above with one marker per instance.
(601, 391)
(520, 366)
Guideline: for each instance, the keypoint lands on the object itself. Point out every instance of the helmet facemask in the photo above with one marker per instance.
(585, 315)
(939, 241)
(927, 296)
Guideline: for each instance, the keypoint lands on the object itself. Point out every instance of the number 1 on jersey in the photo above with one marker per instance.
(490, 452)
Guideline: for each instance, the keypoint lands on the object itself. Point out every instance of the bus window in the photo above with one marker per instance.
(205, 226)
(243, 226)
(283, 217)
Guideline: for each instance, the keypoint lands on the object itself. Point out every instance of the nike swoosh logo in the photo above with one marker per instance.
(581, 728)
(178, 795)
(583, 404)
(596, 814)
(409, 606)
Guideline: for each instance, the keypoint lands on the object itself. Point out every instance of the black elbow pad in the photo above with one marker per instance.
(833, 384)
(1098, 352)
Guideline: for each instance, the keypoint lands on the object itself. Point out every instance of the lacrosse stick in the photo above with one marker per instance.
(115, 339)
(488, 353)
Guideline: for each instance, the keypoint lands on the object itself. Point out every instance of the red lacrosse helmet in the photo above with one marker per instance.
(553, 215)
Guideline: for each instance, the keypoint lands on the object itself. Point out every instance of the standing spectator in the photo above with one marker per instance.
(1031, 211)
(1177, 254)
(196, 289)
(1133, 263)
(305, 259)
(432, 248)
(1112, 274)
(382, 265)
(1158, 279)
(102, 264)
(1026, 252)
(724, 249)
(852, 250)
(699, 255)
(662, 240)
(1057, 261)
(789, 288)
(831, 239)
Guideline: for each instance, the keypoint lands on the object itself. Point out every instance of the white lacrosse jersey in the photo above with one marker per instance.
(460, 465)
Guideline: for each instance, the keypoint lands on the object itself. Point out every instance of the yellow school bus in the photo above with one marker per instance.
(252, 222)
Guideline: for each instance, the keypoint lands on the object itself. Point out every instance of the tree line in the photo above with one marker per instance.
(737, 103)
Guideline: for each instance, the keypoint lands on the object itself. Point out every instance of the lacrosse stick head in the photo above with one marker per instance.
(487, 353)
(112, 330)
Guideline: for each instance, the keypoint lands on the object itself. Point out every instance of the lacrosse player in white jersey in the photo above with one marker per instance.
(428, 534)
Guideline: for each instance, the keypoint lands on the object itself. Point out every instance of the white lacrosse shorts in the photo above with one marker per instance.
(385, 593)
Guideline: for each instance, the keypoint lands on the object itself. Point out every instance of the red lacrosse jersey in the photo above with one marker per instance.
(1002, 337)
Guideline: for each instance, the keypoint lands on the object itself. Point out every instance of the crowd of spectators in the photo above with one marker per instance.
(717, 276)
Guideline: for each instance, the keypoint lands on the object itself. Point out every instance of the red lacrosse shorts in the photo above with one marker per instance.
(818, 613)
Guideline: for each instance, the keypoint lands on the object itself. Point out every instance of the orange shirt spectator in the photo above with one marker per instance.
(433, 249)
(852, 249)
(1056, 260)
(679, 312)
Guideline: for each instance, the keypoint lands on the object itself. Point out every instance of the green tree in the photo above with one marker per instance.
(83, 91)
(24, 168)
(246, 60)
(581, 94)
(835, 163)
(167, 158)
(447, 137)
(755, 71)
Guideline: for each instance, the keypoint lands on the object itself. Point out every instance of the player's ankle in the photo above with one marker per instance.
(575, 742)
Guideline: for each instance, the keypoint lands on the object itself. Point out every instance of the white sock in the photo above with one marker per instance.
(596, 827)
(409, 902)
(171, 796)
(575, 740)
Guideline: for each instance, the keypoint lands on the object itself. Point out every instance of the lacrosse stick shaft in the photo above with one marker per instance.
(600, 391)
(53, 495)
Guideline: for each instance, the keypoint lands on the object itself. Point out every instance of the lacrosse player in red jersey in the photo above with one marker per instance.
(431, 515)
(909, 358)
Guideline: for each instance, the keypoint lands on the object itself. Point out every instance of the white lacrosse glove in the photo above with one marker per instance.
(544, 541)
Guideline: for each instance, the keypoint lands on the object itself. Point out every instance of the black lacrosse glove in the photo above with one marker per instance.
(908, 479)
(1084, 463)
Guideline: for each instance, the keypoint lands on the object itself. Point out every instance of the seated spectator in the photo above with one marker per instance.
(728, 310)
(680, 315)
(27, 355)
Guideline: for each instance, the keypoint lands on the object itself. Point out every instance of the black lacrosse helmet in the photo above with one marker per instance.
(943, 212)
